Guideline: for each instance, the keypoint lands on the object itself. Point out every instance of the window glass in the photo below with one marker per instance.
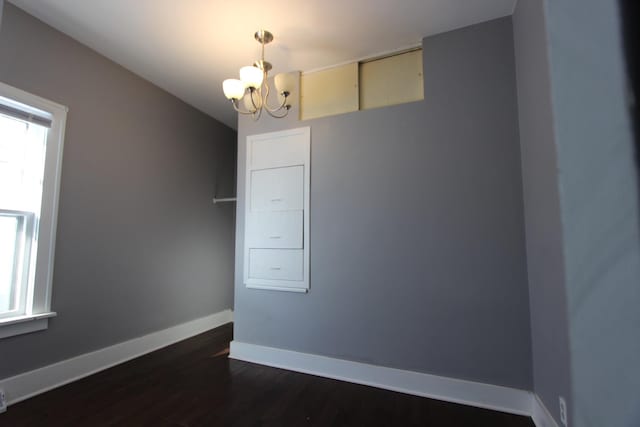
(8, 238)
(22, 155)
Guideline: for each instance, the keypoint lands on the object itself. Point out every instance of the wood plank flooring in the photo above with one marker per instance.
(193, 383)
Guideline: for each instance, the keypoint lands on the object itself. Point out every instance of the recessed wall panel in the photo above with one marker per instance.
(329, 92)
(393, 80)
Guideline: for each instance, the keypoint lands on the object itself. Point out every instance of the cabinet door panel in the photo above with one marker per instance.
(279, 189)
(276, 264)
(284, 151)
(281, 229)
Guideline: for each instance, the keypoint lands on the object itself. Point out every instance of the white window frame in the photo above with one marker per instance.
(38, 304)
(27, 229)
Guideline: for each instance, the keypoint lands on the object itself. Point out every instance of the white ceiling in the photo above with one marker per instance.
(188, 47)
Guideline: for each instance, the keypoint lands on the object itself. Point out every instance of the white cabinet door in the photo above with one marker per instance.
(276, 211)
(279, 189)
(275, 229)
(275, 151)
(276, 264)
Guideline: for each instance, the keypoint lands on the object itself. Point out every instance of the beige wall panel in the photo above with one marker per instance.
(393, 80)
(329, 92)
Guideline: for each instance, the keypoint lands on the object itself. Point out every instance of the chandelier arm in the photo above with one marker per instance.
(235, 107)
(279, 116)
(252, 90)
(256, 114)
(282, 105)
(258, 110)
(266, 98)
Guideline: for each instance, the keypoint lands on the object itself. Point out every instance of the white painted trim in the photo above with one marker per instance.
(24, 324)
(304, 133)
(541, 415)
(29, 384)
(38, 295)
(276, 288)
(26, 318)
(481, 395)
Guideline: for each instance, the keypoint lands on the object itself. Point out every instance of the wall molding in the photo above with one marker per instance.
(476, 394)
(32, 383)
(540, 414)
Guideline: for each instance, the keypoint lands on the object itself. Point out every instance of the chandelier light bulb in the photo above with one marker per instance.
(233, 89)
(251, 76)
(284, 82)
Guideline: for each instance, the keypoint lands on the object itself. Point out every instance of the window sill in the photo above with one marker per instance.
(24, 324)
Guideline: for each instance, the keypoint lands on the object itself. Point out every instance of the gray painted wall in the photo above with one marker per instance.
(139, 246)
(417, 236)
(600, 210)
(547, 292)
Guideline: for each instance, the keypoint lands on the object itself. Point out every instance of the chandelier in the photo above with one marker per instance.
(253, 86)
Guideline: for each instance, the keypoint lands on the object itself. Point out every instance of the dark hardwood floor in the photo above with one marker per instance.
(193, 383)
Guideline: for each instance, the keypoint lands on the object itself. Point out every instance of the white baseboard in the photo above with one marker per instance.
(28, 384)
(481, 395)
(541, 415)
(505, 399)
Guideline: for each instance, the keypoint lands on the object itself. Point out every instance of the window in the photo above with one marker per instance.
(31, 142)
